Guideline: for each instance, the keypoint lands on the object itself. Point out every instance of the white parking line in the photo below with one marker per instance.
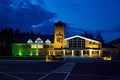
(11, 75)
(44, 76)
(66, 68)
(72, 66)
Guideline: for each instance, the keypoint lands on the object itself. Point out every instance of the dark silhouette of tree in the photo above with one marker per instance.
(91, 36)
(24, 34)
(17, 34)
(28, 33)
(8, 36)
(32, 33)
(81, 34)
(100, 38)
(86, 35)
(38, 34)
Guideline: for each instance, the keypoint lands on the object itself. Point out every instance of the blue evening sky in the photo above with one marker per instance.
(79, 15)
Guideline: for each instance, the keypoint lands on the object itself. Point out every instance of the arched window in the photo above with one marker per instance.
(29, 41)
(38, 40)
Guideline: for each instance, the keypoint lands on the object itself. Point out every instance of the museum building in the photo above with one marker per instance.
(58, 45)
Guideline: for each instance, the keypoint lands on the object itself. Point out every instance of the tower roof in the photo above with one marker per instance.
(59, 23)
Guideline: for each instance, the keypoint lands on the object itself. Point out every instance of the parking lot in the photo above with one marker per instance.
(69, 69)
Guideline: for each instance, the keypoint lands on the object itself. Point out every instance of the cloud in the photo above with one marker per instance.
(46, 27)
(23, 13)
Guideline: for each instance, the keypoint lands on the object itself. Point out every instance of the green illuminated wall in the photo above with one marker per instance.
(15, 49)
(25, 49)
(21, 49)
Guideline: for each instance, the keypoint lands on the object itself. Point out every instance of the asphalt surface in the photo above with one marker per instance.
(74, 68)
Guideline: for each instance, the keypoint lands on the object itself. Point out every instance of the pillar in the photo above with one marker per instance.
(82, 53)
(90, 53)
(63, 52)
(37, 50)
(98, 53)
(30, 51)
(72, 52)
(49, 52)
(53, 52)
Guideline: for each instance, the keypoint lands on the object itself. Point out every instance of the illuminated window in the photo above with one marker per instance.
(77, 43)
(33, 46)
(50, 46)
(46, 46)
(26, 46)
(47, 41)
(93, 42)
(38, 40)
(90, 42)
(29, 41)
(40, 46)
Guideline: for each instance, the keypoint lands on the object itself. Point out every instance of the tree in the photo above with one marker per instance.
(32, 33)
(17, 34)
(99, 38)
(86, 35)
(81, 34)
(38, 34)
(91, 36)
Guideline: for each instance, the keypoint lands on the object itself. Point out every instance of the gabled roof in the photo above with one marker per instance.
(77, 36)
(33, 38)
(47, 41)
(38, 40)
(113, 44)
(108, 46)
(29, 41)
(116, 41)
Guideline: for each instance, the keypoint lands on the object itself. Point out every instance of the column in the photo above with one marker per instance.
(98, 53)
(81, 53)
(63, 52)
(53, 52)
(37, 50)
(72, 52)
(30, 51)
(90, 53)
(49, 52)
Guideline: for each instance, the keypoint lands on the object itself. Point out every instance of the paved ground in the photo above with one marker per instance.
(71, 69)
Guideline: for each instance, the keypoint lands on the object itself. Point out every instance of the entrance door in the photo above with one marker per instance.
(86, 53)
(77, 53)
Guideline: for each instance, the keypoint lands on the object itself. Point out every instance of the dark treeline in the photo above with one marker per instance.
(9, 35)
(91, 36)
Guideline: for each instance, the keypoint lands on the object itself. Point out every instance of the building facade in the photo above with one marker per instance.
(72, 46)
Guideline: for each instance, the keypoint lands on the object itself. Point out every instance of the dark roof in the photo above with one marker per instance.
(108, 46)
(33, 38)
(116, 41)
(59, 23)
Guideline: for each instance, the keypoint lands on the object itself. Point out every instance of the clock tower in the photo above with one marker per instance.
(59, 35)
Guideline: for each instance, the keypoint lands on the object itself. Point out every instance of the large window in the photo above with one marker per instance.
(76, 43)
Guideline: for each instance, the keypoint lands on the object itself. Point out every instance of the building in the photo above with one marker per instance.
(59, 46)
(112, 49)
